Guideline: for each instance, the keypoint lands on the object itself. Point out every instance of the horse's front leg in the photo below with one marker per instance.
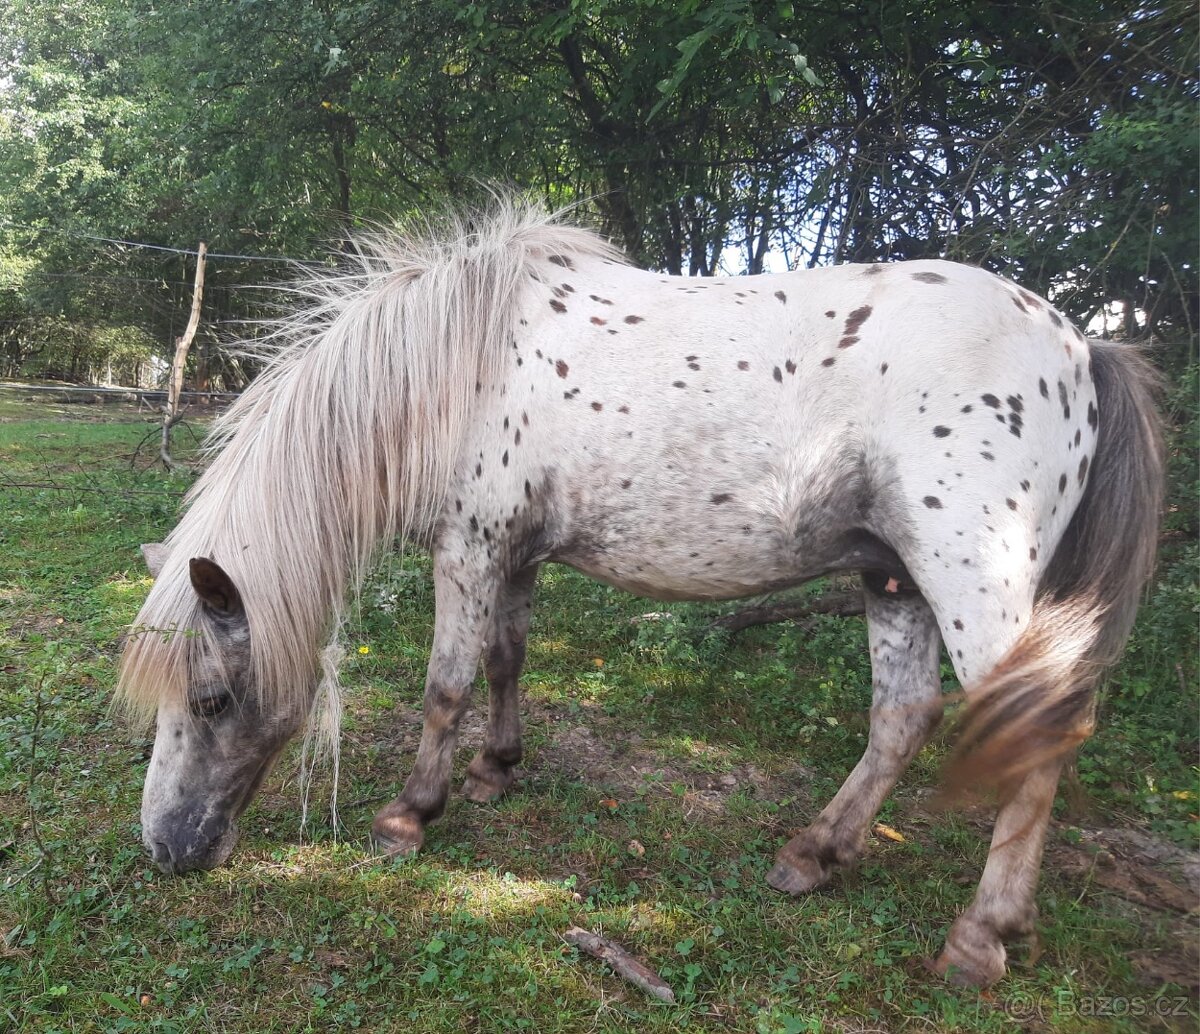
(490, 773)
(464, 597)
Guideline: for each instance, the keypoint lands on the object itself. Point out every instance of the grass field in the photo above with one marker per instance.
(664, 767)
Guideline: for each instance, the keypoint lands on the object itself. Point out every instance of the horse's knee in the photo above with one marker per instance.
(444, 705)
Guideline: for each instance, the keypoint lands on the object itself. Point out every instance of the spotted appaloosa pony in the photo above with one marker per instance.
(512, 393)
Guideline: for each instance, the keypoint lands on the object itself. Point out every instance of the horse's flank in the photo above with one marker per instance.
(372, 384)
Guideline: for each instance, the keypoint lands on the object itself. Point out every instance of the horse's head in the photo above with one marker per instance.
(216, 743)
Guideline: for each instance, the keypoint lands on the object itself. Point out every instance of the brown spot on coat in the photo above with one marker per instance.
(597, 298)
(743, 365)
(831, 313)
(856, 319)
(561, 260)
(599, 321)
(561, 368)
(830, 361)
(633, 319)
(790, 366)
(781, 296)
(557, 306)
(1010, 503)
(597, 406)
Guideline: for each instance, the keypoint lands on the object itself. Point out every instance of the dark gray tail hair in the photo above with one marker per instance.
(1037, 704)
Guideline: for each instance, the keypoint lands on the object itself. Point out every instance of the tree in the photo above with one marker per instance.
(1055, 143)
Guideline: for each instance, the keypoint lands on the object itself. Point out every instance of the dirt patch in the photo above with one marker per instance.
(1135, 866)
(584, 747)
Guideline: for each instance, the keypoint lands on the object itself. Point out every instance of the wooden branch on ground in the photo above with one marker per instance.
(622, 963)
(841, 604)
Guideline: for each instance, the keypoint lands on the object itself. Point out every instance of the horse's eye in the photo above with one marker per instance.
(212, 706)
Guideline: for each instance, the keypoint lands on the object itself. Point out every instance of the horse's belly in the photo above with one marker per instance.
(671, 565)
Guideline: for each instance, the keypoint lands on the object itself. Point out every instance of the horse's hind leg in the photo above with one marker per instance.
(490, 773)
(906, 708)
(464, 595)
(1003, 907)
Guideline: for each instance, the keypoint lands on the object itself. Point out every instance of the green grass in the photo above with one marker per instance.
(664, 768)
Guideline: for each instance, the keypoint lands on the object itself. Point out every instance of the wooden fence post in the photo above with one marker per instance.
(172, 411)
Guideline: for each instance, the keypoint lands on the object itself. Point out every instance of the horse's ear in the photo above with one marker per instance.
(214, 587)
(155, 555)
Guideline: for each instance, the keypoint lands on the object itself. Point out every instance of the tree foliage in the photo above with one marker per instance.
(1053, 142)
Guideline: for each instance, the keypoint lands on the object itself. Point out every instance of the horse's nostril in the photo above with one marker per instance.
(161, 853)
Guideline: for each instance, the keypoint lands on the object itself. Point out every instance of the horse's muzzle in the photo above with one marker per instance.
(186, 849)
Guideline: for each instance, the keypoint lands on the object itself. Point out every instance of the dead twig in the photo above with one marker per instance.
(622, 963)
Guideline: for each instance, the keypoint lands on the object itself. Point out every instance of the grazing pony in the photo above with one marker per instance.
(510, 392)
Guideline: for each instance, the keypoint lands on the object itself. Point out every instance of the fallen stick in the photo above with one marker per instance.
(622, 963)
(841, 604)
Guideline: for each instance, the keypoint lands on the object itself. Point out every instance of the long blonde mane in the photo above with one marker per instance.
(346, 440)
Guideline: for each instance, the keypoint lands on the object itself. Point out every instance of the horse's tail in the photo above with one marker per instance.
(1037, 704)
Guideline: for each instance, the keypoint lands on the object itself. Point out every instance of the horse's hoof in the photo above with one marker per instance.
(397, 833)
(797, 874)
(487, 782)
(481, 791)
(973, 956)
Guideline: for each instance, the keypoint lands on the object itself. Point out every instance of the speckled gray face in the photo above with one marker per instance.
(212, 750)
